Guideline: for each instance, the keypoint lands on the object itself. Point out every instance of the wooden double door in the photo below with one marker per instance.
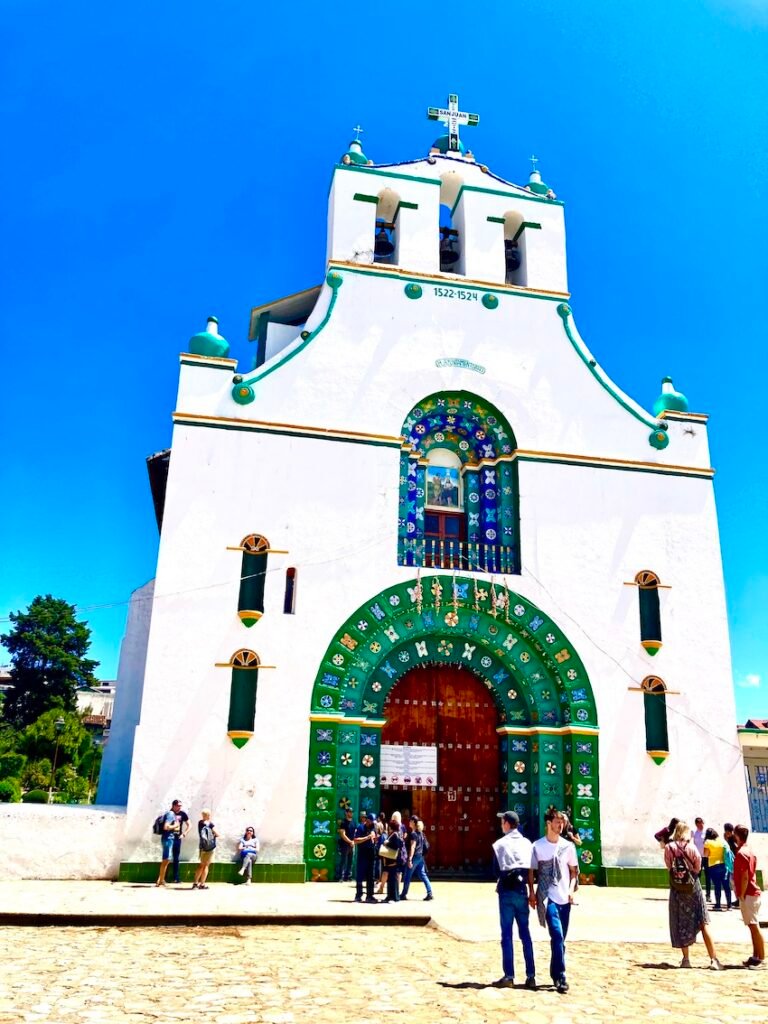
(449, 708)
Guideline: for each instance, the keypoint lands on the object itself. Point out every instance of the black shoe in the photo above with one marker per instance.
(530, 982)
(370, 899)
(358, 899)
(561, 985)
(428, 898)
(506, 982)
(403, 897)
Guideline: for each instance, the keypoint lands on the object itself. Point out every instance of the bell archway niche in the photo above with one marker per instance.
(547, 724)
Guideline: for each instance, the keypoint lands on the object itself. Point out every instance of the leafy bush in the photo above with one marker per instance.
(36, 774)
(35, 796)
(11, 765)
(77, 790)
(10, 791)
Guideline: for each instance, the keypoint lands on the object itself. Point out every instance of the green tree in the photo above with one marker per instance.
(48, 648)
(67, 743)
(9, 739)
(37, 774)
(76, 790)
(10, 791)
(11, 765)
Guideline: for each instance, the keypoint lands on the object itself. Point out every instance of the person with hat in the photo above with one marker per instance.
(514, 889)
(365, 841)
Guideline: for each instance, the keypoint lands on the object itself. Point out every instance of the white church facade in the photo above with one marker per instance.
(426, 555)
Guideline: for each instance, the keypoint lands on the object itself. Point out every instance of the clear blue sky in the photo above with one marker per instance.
(164, 161)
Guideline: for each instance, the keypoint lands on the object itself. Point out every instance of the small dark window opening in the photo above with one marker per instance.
(650, 612)
(289, 605)
(655, 700)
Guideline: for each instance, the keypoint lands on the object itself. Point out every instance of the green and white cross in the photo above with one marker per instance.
(452, 117)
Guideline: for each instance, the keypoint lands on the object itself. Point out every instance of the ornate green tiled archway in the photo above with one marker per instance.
(548, 735)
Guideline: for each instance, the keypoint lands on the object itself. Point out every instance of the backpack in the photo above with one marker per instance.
(425, 845)
(207, 838)
(680, 877)
(157, 824)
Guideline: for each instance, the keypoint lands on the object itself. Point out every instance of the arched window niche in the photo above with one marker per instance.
(516, 271)
(458, 505)
(650, 613)
(385, 244)
(451, 255)
(655, 706)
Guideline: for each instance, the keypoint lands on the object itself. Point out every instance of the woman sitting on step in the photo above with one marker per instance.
(249, 851)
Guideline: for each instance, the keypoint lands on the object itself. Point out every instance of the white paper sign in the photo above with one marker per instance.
(408, 766)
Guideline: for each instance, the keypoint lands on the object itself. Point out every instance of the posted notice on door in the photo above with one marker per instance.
(408, 766)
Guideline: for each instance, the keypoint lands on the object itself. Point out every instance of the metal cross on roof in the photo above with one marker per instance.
(534, 160)
(452, 117)
(358, 131)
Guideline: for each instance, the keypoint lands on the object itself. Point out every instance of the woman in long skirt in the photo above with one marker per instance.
(687, 910)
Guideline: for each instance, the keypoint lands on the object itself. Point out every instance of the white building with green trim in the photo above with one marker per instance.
(427, 466)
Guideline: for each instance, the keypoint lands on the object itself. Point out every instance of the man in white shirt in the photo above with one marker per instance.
(513, 857)
(554, 859)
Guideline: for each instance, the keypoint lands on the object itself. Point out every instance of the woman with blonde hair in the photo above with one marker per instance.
(208, 836)
(687, 909)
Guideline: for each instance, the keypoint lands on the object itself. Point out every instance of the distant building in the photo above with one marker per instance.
(753, 737)
(98, 702)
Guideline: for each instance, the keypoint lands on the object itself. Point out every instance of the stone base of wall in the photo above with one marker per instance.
(61, 841)
(146, 871)
(646, 878)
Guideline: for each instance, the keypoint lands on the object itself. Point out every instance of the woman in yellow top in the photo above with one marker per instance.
(714, 848)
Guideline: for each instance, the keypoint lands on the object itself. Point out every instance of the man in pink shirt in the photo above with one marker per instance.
(748, 893)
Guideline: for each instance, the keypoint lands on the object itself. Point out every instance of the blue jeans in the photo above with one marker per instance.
(345, 862)
(558, 917)
(513, 909)
(419, 872)
(717, 877)
(393, 893)
(364, 874)
(176, 856)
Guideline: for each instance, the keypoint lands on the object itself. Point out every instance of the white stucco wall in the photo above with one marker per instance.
(61, 841)
(585, 532)
(597, 504)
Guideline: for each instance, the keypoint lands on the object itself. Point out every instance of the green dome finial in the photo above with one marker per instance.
(669, 400)
(535, 184)
(443, 145)
(209, 342)
(355, 154)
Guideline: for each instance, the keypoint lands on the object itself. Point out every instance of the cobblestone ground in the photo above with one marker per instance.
(316, 975)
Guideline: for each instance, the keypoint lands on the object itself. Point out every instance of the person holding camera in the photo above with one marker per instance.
(513, 859)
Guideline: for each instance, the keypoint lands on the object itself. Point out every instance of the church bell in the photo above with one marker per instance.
(512, 256)
(448, 255)
(383, 247)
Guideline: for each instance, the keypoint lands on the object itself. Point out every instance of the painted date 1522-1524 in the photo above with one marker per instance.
(455, 293)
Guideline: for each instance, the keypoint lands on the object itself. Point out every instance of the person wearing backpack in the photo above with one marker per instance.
(175, 825)
(687, 910)
(208, 836)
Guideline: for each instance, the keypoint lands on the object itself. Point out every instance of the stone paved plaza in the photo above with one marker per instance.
(241, 974)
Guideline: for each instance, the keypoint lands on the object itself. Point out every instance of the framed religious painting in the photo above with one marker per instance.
(443, 487)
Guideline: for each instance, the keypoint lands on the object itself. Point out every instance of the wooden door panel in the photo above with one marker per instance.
(447, 707)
